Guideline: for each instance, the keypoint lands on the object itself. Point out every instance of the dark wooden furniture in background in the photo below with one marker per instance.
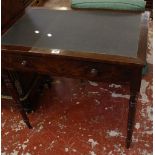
(149, 7)
(95, 53)
(11, 9)
(25, 83)
(149, 4)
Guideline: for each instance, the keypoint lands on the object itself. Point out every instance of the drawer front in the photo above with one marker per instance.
(94, 71)
(67, 67)
(14, 62)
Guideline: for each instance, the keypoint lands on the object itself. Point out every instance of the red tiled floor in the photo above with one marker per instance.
(81, 119)
(77, 119)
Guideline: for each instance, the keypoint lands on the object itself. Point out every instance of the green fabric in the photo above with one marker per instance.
(131, 5)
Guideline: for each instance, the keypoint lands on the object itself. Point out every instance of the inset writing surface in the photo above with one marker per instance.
(110, 33)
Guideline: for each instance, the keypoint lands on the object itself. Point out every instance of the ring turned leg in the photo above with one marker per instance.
(131, 119)
(13, 92)
(134, 90)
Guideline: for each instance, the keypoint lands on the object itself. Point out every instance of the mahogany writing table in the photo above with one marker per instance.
(94, 45)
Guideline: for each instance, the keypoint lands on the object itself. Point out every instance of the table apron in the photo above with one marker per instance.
(67, 67)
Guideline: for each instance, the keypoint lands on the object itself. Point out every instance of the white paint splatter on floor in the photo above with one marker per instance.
(110, 153)
(97, 102)
(92, 153)
(93, 83)
(27, 153)
(149, 132)
(119, 149)
(149, 110)
(144, 85)
(93, 93)
(144, 97)
(137, 126)
(106, 108)
(66, 149)
(51, 145)
(150, 45)
(93, 143)
(40, 128)
(114, 86)
(3, 124)
(23, 145)
(18, 126)
(14, 152)
(74, 150)
(145, 152)
(6, 133)
(120, 95)
(113, 133)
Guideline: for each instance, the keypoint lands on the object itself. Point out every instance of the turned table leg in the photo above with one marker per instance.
(134, 90)
(131, 120)
(13, 92)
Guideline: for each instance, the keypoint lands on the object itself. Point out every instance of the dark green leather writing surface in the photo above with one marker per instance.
(112, 33)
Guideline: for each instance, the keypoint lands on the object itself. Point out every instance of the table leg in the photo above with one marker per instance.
(131, 120)
(134, 90)
(13, 92)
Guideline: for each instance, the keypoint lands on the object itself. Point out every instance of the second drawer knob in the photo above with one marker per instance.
(94, 72)
(23, 63)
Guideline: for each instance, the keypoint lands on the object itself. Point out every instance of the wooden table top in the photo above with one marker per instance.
(90, 31)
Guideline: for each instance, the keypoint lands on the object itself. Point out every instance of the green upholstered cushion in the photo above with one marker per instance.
(131, 5)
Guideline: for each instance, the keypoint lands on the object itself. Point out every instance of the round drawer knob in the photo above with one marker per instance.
(94, 72)
(24, 62)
